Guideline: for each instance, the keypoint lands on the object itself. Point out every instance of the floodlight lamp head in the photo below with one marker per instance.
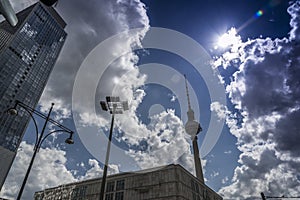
(112, 99)
(114, 105)
(103, 105)
(125, 105)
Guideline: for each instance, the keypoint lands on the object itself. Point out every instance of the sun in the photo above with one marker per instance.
(231, 38)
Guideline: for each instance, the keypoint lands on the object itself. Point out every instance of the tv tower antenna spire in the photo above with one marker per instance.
(187, 93)
(193, 128)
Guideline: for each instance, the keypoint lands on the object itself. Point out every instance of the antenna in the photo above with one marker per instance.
(187, 93)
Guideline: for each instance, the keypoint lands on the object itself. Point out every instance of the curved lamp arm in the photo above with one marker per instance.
(50, 133)
(14, 109)
(42, 115)
(38, 139)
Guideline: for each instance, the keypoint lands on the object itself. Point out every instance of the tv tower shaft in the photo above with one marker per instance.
(193, 128)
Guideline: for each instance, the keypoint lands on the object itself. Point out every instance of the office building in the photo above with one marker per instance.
(170, 182)
(28, 52)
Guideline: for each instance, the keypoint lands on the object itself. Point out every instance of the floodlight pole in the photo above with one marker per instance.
(107, 155)
(114, 106)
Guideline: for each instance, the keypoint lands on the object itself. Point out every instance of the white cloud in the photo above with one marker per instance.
(121, 78)
(225, 180)
(266, 91)
(49, 170)
(219, 109)
(294, 11)
(60, 110)
(214, 174)
(228, 152)
(166, 143)
(230, 39)
(88, 24)
(96, 171)
(173, 98)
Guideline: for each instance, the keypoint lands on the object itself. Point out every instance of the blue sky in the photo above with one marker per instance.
(112, 49)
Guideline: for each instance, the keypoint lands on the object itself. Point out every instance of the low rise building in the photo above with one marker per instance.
(171, 182)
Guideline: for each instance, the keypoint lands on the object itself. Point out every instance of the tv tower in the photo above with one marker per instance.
(193, 128)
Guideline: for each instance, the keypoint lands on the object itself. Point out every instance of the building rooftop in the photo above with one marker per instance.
(165, 182)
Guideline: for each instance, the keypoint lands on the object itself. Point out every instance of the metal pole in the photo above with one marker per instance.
(36, 148)
(107, 156)
(263, 196)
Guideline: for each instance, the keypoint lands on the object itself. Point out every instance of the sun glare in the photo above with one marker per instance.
(229, 39)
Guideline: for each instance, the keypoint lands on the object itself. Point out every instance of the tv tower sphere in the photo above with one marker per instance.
(192, 128)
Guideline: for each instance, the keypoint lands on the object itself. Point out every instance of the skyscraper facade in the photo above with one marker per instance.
(28, 53)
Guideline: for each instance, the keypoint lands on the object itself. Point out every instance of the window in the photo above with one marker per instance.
(115, 190)
(79, 192)
(195, 190)
(119, 196)
(120, 185)
(196, 197)
(110, 186)
(109, 196)
(195, 186)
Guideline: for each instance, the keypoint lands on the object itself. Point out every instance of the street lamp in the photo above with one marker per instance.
(115, 106)
(39, 137)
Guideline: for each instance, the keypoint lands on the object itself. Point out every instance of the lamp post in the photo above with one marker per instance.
(39, 137)
(115, 106)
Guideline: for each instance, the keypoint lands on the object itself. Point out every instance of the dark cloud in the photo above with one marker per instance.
(271, 74)
(88, 24)
(266, 90)
(257, 168)
(287, 133)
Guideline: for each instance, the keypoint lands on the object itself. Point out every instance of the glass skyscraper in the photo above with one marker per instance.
(28, 53)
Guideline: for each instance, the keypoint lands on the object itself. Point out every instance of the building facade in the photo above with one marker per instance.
(171, 182)
(28, 53)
